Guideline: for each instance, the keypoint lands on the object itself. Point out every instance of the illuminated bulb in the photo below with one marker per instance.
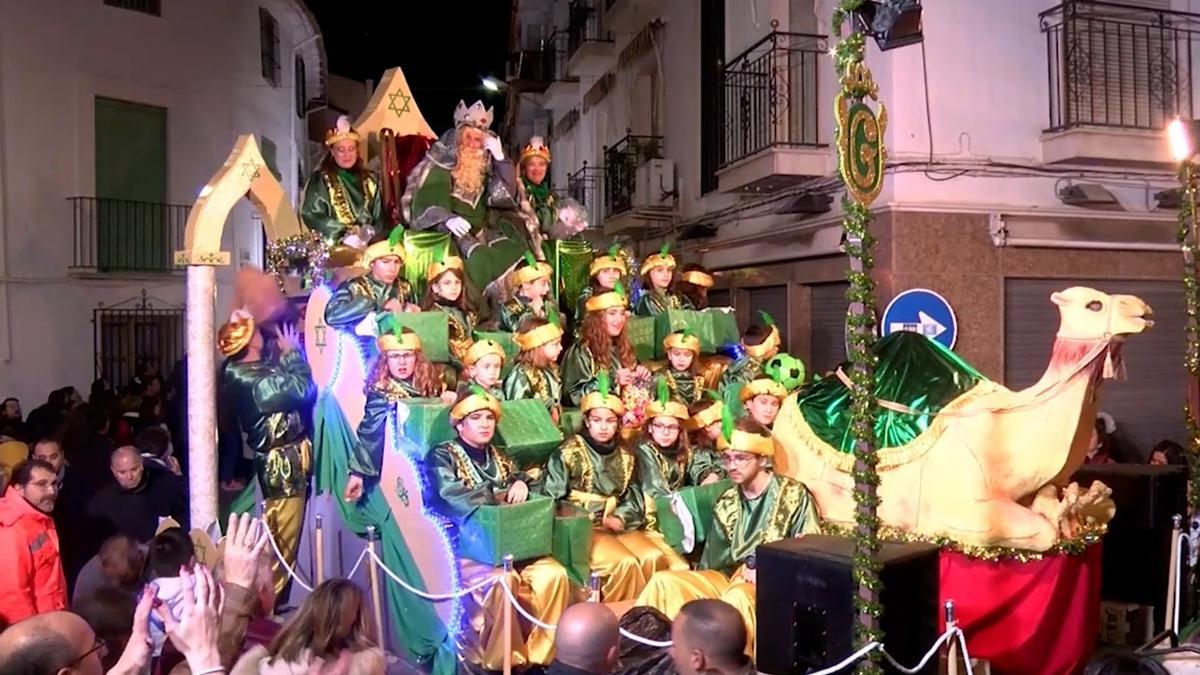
(1180, 140)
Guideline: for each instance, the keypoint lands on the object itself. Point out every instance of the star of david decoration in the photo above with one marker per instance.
(250, 169)
(403, 105)
(402, 491)
(320, 342)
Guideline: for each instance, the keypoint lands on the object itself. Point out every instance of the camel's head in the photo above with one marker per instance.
(1088, 314)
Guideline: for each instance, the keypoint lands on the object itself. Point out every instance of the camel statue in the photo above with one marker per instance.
(990, 467)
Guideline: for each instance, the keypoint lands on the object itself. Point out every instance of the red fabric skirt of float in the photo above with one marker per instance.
(1034, 618)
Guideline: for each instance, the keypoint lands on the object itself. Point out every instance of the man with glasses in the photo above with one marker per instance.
(760, 507)
(33, 581)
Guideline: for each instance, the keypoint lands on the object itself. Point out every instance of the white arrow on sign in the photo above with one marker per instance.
(925, 325)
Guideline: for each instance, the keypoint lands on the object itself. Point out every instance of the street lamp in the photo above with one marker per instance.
(491, 84)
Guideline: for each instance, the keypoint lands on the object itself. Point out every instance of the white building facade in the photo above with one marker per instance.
(113, 115)
(1025, 146)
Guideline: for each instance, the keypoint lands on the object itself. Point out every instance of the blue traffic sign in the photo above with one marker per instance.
(921, 311)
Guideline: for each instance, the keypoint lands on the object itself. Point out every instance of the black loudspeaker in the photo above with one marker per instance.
(806, 595)
(1137, 547)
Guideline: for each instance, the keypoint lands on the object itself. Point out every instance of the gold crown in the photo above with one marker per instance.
(476, 116)
(707, 416)
(697, 278)
(657, 260)
(382, 249)
(761, 386)
(341, 131)
(480, 400)
(755, 444)
(606, 300)
(606, 262)
(595, 400)
(530, 340)
(404, 342)
(450, 262)
(682, 341)
(481, 349)
(763, 351)
(528, 273)
(535, 148)
(236, 335)
(669, 409)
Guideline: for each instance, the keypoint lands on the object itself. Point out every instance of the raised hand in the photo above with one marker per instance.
(493, 145)
(196, 630)
(245, 539)
(289, 338)
(136, 657)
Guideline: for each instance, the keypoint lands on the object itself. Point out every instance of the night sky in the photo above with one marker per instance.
(444, 47)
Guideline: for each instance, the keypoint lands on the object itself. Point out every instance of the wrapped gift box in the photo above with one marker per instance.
(714, 328)
(641, 333)
(699, 501)
(527, 433)
(572, 542)
(505, 340)
(434, 330)
(570, 421)
(520, 530)
(428, 423)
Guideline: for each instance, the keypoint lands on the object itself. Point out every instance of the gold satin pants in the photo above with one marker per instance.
(669, 591)
(627, 560)
(285, 518)
(543, 589)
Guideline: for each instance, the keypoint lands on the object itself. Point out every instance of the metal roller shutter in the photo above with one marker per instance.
(774, 301)
(1148, 405)
(828, 327)
(720, 297)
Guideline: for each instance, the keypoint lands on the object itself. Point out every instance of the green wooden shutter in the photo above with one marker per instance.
(131, 186)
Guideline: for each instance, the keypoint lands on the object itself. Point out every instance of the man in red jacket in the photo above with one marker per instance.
(33, 582)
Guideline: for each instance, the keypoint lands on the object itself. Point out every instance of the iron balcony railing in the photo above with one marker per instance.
(1117, 65)
(586, 186)
(536, 67)
(770, 96)
(621, 161)
(583, 25)
(121, 235)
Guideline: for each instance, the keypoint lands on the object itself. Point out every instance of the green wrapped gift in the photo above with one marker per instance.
(520, 530)
(570, 421)
(434, 330)
(641, 333)
(699, 501)
(714, 328)
(428, 423)
(527, 433)
(505, 340)
(572, 542)
(724, 327)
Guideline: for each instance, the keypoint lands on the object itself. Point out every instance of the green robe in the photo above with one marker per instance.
(461, 479)
(361, 296)
(660, 472)
(741, 371)
(579, 474)
(334, 203)
(785, 509)
(653, 303)
(462, 332)
(543, 201)
(684, 386)
(581, 305)
(525, 381)
(579, 371)
(366, 459)
(518, 308)
(270, 399)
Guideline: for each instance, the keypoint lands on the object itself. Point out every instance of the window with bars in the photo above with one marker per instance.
(301, 87)
(151, 7)
(268, 36)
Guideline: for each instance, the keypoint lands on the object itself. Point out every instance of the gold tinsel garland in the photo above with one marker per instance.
(1075, 545)
(282, 254)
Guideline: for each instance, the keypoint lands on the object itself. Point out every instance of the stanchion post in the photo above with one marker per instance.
(376, 599)
(952, 652)
(508, 618)
(1172, 611)
(320, 529)
(594, 587)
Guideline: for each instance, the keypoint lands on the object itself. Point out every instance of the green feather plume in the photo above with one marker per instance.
(552, 319)
(396, 236)
(713, 395)
(614, 251)
(387, 323)
(664, 391)
(477, 390)
(530, 260)
(687, 332)
(767, 319)
(665, 249)
(727, 414)
(602, 383)
(619, 288)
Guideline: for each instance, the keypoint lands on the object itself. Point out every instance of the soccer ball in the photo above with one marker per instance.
(787, 370)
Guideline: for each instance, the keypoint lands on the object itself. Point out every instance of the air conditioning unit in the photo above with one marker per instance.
(654, 185)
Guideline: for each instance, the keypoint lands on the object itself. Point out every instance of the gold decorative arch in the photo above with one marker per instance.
(244, 174)
(392, 106)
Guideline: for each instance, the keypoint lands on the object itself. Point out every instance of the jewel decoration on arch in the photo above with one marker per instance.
(860, 129)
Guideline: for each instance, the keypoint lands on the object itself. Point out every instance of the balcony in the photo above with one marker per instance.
(533, 69)
(639, 184)
(119, 236)
(772, 132)
(628, 16)
(586, 186)
(1117, 75)
(562, 89)
(589, 46)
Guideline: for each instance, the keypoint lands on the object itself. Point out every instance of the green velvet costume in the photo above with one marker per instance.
(583, 474)
(525, 381)
(660, 472)
(579, 371)
(270, 399)
(741, 371)
(653, 303)
(543, 201)
(684, 386)
(740, 525)
(518, 308)
(335, 202)
(462, 478)
(462, 332)
(357, 298)
(581, 305)
(366, 459)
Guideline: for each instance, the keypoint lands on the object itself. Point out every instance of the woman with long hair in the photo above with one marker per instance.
(602, 347)
(327, 636)
(341, 201)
